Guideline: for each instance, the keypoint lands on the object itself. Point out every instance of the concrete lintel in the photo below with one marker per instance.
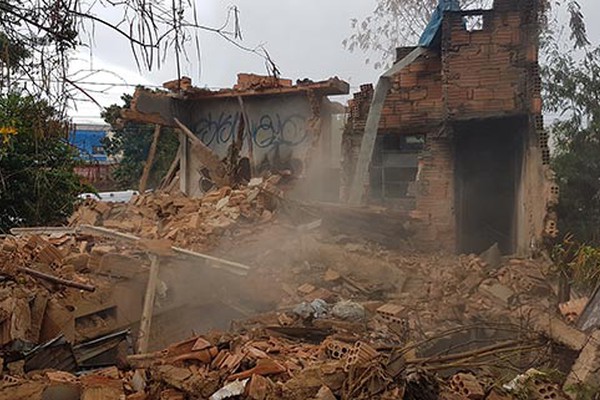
(554, 328)
(153, 108)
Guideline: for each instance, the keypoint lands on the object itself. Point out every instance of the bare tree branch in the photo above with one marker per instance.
(47, 32)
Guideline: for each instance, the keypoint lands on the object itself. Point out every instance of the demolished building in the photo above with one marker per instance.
(325, 316)
(262, 124)
(455, 134)
(451, 141)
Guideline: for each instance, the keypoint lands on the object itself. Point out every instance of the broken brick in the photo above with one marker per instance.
(305, 289)
(264, 367)
(258, 388)
(571, 310)
(468, 386)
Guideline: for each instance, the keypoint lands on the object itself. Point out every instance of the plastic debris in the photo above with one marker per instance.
(235, 388)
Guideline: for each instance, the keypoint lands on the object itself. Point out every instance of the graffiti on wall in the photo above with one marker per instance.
(268, 130)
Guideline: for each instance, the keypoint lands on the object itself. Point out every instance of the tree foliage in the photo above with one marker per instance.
(393, 23)
(131, 144)
(38, 39)
(37, 184)
(572, 90)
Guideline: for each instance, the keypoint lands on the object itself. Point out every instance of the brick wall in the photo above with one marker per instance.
(485, 71)
(490, 72)
(414, 104)
(358, 110)
(435, 195)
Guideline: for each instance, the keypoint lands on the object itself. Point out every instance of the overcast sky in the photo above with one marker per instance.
(304, 37)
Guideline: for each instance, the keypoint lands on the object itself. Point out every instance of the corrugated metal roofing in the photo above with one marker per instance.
(56, 354)
(88, 353)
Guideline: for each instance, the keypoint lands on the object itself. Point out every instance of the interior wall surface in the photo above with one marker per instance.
(321, 178)
(278, 132)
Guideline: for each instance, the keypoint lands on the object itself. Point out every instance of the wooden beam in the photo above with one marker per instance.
(55, 279)
(144, 118)
(207, 157)
(109, 233)
(146, 319)
(184, 169)
(170, 175)
(216, 262)
(43, 230)
(248, 135)
(149, 160)
(219, 263)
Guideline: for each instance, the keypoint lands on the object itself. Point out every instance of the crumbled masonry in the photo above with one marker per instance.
(381, 324)
(265, 267)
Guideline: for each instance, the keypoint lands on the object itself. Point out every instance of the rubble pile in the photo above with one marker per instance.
(434, 292)
(192, 223)
(347, 319)
(289, 355)
(354, 321)
(42, 278)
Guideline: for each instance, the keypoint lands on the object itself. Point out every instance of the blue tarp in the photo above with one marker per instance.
(435, 24)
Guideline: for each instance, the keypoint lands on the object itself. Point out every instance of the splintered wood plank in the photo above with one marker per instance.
(37, 316)
(146, 320)
(149, 160)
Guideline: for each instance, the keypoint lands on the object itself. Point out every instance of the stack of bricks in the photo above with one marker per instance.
(359, 108)
(537, 126)
(255, 82)
(352, 137)
(531, 28)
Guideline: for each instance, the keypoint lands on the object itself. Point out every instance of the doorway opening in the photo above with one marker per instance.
(488, 169)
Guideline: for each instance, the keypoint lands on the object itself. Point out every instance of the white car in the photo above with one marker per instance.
(112, 197)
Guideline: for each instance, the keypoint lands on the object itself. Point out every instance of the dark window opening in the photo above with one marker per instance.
(97, 149)
(473, 22)
(394, 166)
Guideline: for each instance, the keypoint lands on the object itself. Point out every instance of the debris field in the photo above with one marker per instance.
(344, 318)
(286, 257)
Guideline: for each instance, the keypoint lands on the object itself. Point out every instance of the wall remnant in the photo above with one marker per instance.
(480, 71)
(264, 123)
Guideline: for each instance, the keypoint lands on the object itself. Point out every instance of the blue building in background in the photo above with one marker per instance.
(87, 139)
